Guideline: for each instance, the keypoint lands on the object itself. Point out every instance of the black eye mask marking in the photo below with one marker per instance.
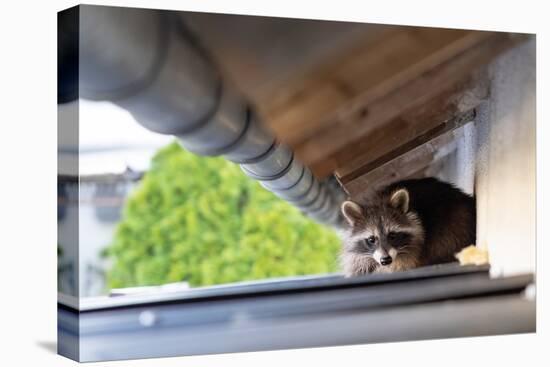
(399, 239)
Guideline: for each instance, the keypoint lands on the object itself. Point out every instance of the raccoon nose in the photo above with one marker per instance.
(386, 260)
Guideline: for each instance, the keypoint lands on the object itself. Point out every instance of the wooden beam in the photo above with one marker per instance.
(404, 129)
(368, 70)
(405, 136)
(410, 164)
(329, 119)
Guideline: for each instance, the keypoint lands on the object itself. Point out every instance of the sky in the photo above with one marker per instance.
(110, 139)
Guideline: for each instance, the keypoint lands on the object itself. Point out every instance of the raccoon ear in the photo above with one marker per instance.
(400, 200)
(352, 212)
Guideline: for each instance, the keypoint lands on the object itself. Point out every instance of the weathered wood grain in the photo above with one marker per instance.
(409, 164)
(331, 121)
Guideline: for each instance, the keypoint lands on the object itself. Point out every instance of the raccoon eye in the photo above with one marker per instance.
(392, 235)
(371, 240)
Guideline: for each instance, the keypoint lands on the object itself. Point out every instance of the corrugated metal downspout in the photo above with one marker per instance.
(147, 62)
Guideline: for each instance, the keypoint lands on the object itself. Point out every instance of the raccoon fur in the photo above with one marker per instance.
(405, 225)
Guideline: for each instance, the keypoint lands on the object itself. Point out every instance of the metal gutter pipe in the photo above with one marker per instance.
(149, 63)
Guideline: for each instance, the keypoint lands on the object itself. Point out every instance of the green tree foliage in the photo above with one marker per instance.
(203, 221)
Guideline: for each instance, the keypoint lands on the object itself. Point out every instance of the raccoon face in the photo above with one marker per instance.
(384, 230)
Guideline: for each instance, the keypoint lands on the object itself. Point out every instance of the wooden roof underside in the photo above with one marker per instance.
(367, 103)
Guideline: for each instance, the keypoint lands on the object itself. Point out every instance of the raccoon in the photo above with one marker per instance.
(405, 225)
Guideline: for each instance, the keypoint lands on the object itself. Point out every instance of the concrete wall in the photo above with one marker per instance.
(495, 158)
(505, 182)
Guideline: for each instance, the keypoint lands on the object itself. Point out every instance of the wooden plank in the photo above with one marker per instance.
(325, 121)
(411, 163)
(404, 138)
(360, 120)
(308, 89)
(411, 128)
(404, 129)
(369, 72)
